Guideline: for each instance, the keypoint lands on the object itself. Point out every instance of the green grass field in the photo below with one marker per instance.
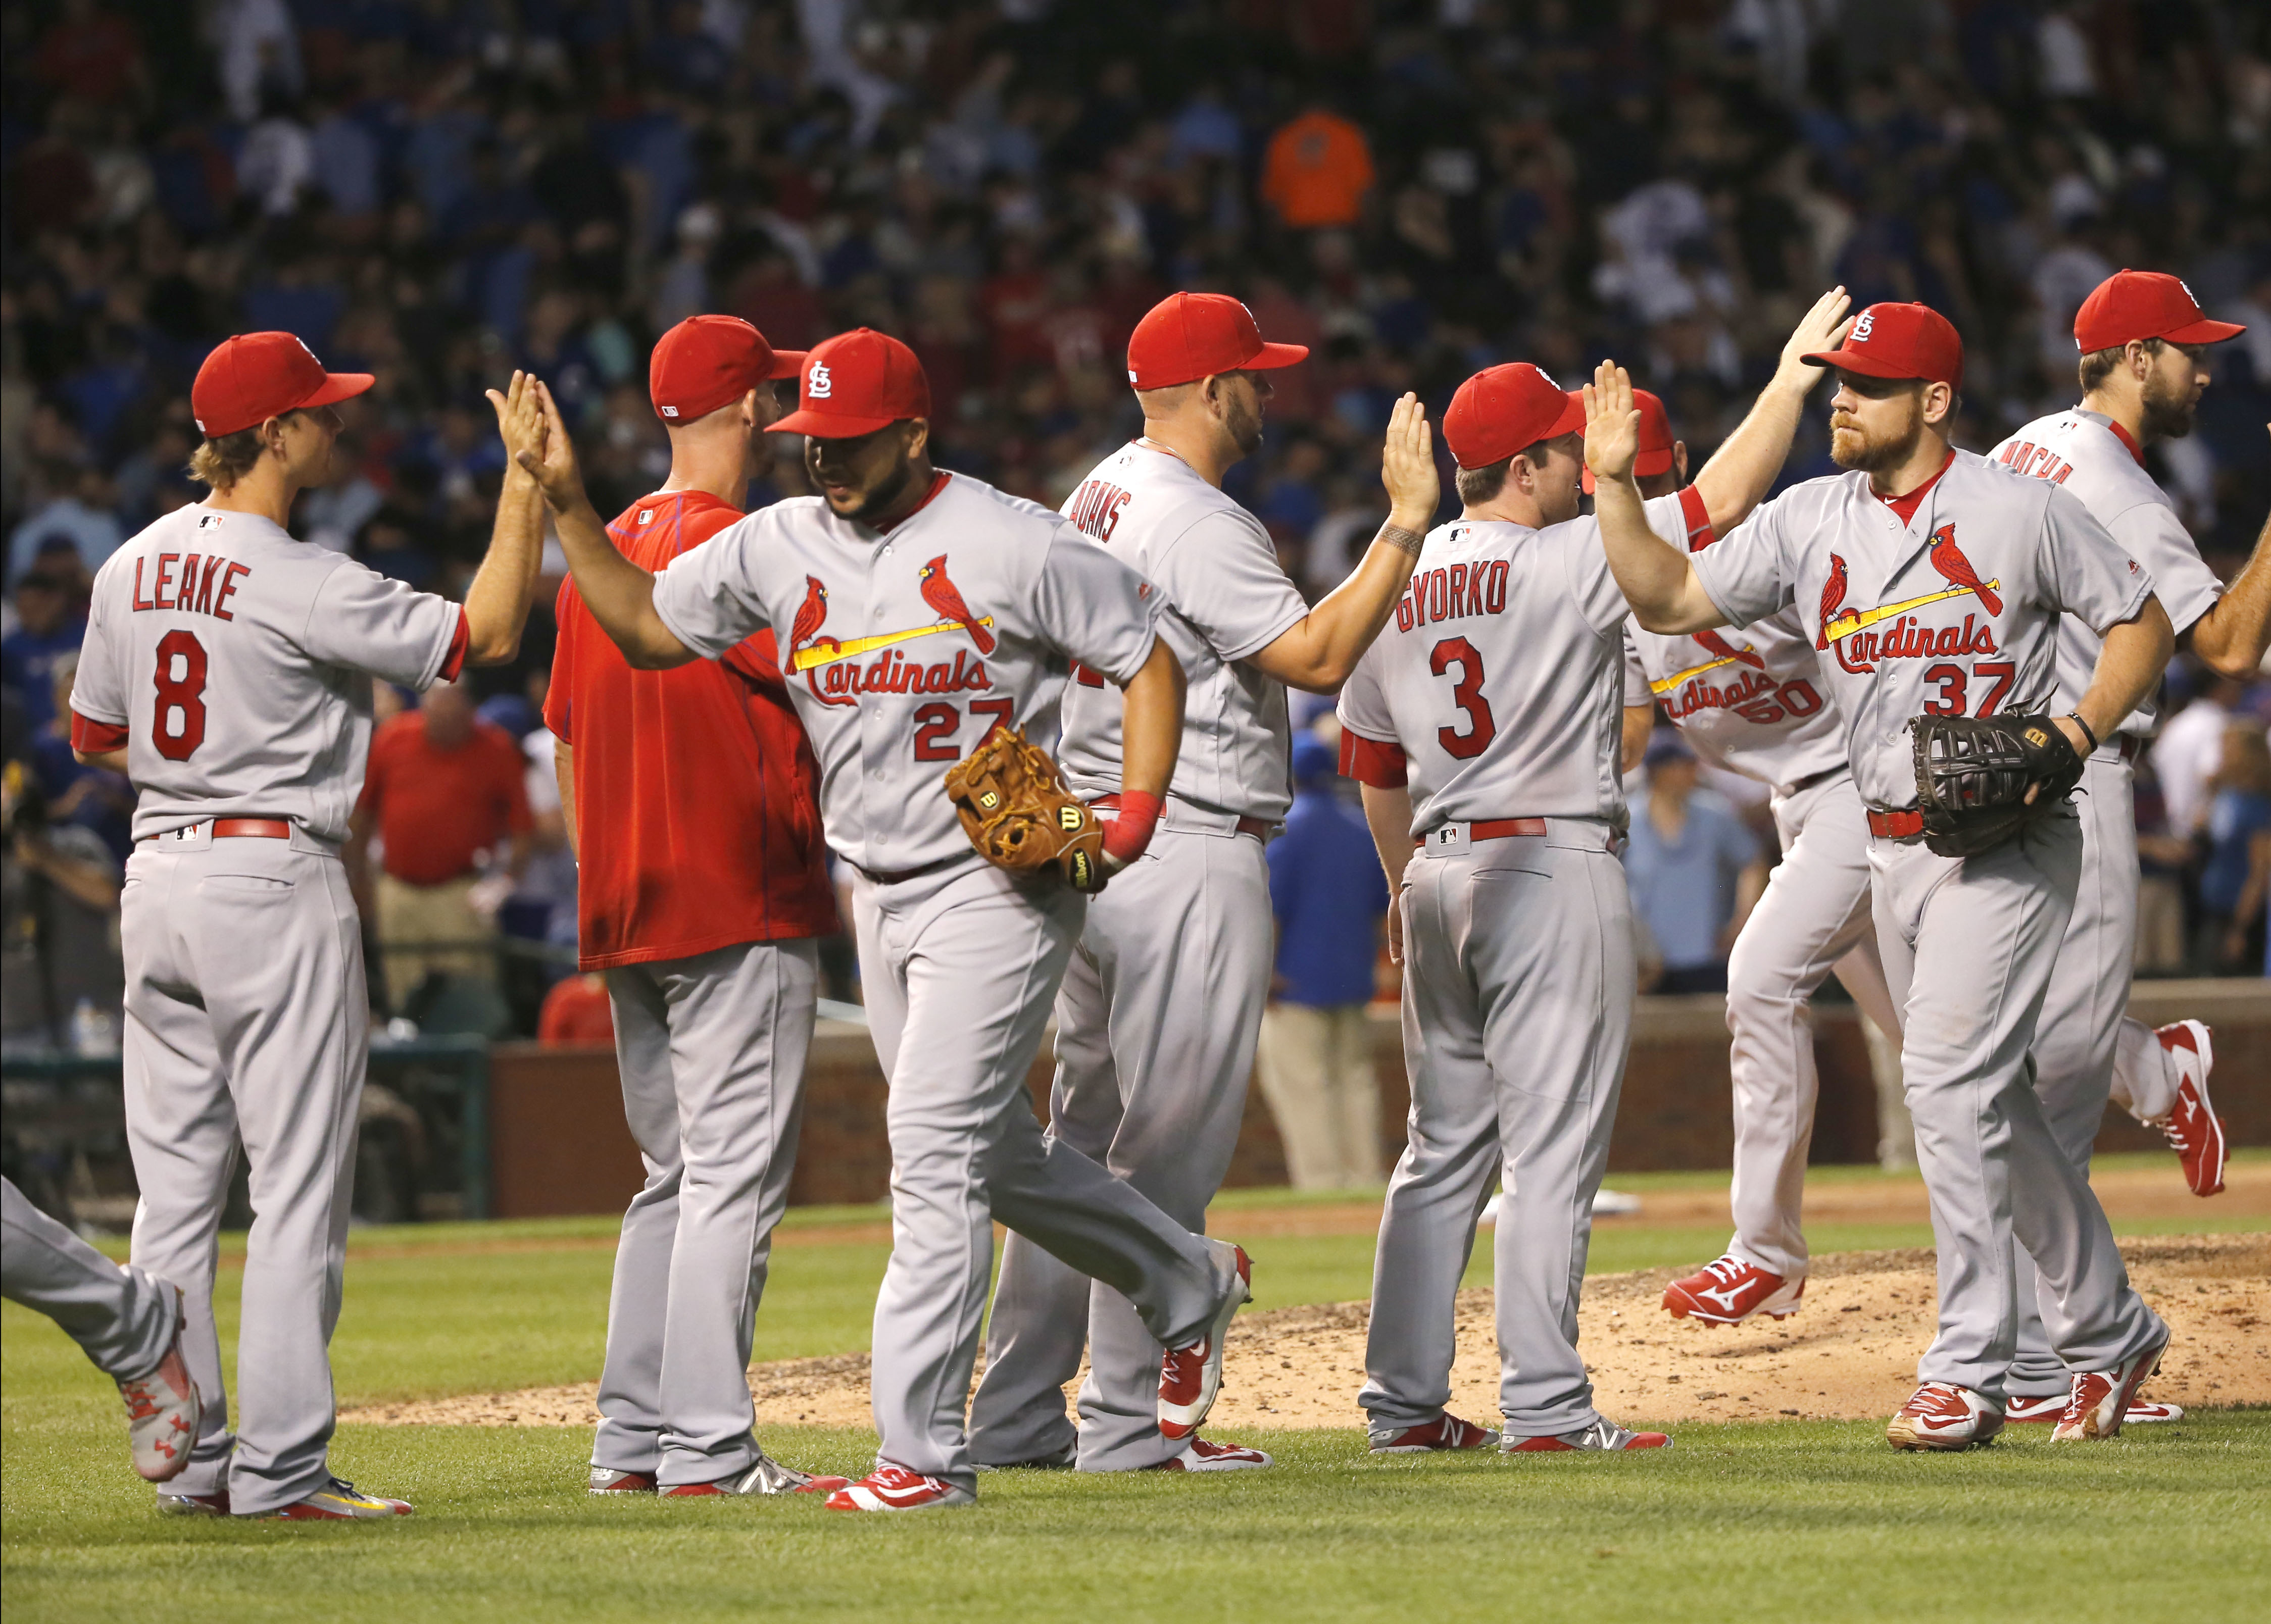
(1795, 1520)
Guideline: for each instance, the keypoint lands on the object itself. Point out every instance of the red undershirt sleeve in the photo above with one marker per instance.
(91, 737)
(1370, 762)
(460, 639)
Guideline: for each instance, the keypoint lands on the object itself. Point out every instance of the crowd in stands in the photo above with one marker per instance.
(438, 191)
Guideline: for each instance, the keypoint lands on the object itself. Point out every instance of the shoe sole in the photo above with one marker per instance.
(1914, 1440)
(1690, 1308)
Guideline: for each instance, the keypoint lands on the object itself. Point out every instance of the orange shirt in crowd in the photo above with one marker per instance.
(435, 809)
(576, 1011)
(1316, 171)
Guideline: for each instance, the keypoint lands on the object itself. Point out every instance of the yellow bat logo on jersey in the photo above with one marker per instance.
(829, 653)
(1859, 619)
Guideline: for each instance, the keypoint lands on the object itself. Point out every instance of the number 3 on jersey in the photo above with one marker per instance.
(179, 726)
(1467, 695)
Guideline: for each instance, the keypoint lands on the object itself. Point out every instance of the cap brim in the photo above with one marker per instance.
(1273, 356)
(2205, 331)
(786, 364)
(1856, 360)
(827, 425)
(338, 386)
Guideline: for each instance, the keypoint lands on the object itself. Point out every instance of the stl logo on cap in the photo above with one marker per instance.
(1864, 325)
(819, 385)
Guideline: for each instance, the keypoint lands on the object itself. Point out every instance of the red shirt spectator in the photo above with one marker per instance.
(1317, 171)
(701, 777)
(90, 54)
(443, 785)
(576, 1011)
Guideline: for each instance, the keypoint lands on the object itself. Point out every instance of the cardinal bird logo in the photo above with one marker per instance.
(1956, 570)
(1719, 646)
(1833, 598)
(940, 594)
(807, 647)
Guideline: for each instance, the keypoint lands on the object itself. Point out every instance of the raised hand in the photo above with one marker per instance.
(553, 463)
(520, 418)
(1611, 424)
(1407, 467)
(1823, 327)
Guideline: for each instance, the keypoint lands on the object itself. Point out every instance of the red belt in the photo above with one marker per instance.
(1499, 828)
(1897, 825)
(244, 828)
(1258, 827)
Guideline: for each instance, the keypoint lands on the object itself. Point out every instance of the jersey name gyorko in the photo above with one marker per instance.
(1496, 689)
(1226, 597)
(1954, 613)
(1753, 701)
(240, 661)
(2083, 452)
(902, 650)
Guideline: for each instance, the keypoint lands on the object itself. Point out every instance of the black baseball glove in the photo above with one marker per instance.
(1973, 773)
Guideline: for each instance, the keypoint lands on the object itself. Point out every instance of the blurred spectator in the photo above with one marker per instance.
(77, 520)
(2161, 860)
(2189, 751)
(50, 623)
(1696, 870)
(1314, 1060)
(2239, 811)
(61, 976)
(446, 796)
(1317, 170)
(576, 1011)
(93, 798)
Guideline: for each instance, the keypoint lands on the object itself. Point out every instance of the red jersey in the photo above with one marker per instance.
(697, 814)
(435, 808)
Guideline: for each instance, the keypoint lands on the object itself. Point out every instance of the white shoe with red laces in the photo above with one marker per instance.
(2100, 1401)
(1941, 1415)
(1200, 1456)
(163, 1410)
(1604, 1433)
(1730, 1291)
(2019, 1409)
(895, 1488)
(1446, 1432)
(1190, 1376)
(2194, 1131)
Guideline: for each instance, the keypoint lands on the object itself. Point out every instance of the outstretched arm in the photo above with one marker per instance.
(496, 603)
(1317, 652)
(1653, 574)
(1739, 477)
(2135, 653)
(2233, 635)
(618, 593)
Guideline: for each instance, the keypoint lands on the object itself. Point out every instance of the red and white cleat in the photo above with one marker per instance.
(2194, 1131)
(1200, 1456)
(607, 1480)
(1941, 1415)
(1446, 1432)
(340, 1501)
(162, 1411)
(895, 1488)
(2020, 1409)
(1730, 1291)
(1190, 1376)
(2100, 1401)
(1604, 1433)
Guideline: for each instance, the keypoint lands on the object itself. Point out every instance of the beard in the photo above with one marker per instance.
(1850, 447)
(2168, 414)
(878, 497)
(1245, 427)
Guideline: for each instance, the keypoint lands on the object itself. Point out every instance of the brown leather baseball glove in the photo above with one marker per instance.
(1022, 816)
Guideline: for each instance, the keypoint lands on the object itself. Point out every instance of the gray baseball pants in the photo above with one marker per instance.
(1968, 947)
(960, 967)
(1814, 916)
(1154, 1090)
(1519, 975)
(711, 1052)
(246, 1017)
(121, 1318)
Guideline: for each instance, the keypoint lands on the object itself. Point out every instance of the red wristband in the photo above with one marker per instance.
(1125, 835)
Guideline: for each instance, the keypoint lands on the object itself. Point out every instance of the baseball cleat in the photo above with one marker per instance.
(1191, 1376)
(1941, 1415)
(1446, 1432)
(766, 1476)
(162, 1410)
(1056, 1460)
(895, 1488)
(607, 1480)
(194, 1505)
(1730, 1291)
(2194, 1131)
(1604, 1433)
(340, 1501)
(1200, 1456)
(2100, 1401)
(2020, 1409)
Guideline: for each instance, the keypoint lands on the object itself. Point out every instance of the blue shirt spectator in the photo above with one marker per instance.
(47, 634)
(1326, 889)
(1694, 865)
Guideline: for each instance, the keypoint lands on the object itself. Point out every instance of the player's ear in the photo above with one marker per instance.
(1938, 405)
(916, 437)
(1679, 460)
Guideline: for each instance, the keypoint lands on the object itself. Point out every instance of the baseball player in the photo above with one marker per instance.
(1484, 726)
(691, 797)
(1933, 581)
(1140, 1087)
(228, 671)
(923, 610)
(2143, 342)
(128, 1321)
(1756, 704)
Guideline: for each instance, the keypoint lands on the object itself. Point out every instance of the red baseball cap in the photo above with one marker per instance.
(1655, 441)
(2145, 304)
(1503, 410)
(255, 376)
(1186, 337)
(1900, 341)
(856, 383)
(709, 361)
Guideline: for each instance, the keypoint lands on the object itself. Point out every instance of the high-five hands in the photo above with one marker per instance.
(1611, 424)
(1407, 467)
(520, 418)
(551, 462)
(1823, 327)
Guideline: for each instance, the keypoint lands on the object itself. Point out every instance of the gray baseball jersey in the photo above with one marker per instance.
(123, 1319)
(1752, 701)
(1953, 613)
(1226, 599)
(240, 662)
(2090, 457)
(903, 649)
(1500, 678)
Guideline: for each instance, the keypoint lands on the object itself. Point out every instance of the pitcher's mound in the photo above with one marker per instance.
(1850, 1354)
